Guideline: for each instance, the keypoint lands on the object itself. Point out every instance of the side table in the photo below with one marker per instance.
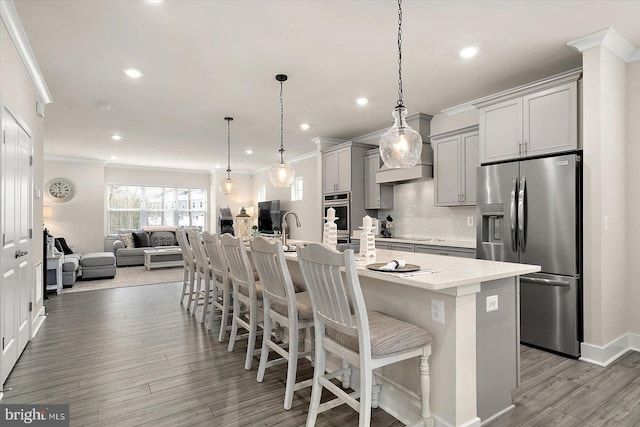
(55, 263)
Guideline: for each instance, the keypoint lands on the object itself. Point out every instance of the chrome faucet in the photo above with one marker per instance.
(284, 226)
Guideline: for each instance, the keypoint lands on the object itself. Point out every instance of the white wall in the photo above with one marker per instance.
(633, 196)
(80, 220)
(606, 289)
(244, 198)
(309, 209)
(17, 92)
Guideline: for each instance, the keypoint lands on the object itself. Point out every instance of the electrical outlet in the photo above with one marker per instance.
(437, 311)
(492, 303)
(469, 221)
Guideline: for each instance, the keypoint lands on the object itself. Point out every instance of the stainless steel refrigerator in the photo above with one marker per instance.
(530, 212)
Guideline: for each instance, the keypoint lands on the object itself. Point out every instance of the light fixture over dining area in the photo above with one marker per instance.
(228, 187)
(281, 174)
(400, 146)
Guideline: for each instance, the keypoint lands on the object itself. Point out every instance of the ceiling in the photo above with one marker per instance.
(204, 60)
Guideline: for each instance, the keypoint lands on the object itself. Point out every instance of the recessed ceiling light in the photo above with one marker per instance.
(133, 73)
(248, 151)
(154, 1)
(114, 158)
(217, 166)
(305, 126)
(116, 137)
(362, 101)
(469, 52)
(105, 107)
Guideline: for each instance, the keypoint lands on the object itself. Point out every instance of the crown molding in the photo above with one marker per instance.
(9, 16)
(610, 39)
(292, 160)
(73, 159)
(158, 169)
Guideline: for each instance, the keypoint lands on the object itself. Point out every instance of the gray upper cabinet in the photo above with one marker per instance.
(376, 196)
(337, 170)
(456, 160)
(535, 119)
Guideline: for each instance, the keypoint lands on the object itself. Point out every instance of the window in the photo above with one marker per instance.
(262, 193)
(296, 189)
(133, 207)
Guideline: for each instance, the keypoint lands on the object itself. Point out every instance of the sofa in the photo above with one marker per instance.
(94, 265)
(130, 245)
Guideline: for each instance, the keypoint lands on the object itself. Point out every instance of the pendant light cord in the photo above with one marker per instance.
(281, 126)
(228, 119)
(400, 103)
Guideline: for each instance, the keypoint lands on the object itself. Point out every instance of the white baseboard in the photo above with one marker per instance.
(493, 417)
(38, 321)
(609, 353)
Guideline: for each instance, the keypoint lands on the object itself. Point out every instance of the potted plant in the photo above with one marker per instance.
(276, 231)
(254, 232)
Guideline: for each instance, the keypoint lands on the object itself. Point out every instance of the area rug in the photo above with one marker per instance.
(129, 276)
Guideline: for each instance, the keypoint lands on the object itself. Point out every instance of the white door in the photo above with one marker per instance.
(15, 262)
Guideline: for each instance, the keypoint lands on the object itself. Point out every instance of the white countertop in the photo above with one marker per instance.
(432, 241)
(451, 272)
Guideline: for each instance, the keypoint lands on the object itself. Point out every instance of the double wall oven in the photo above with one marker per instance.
(341, 202)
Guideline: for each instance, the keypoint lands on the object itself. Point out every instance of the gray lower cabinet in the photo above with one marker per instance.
(382, 245)
(426, 249)
(446, 250)
(407, 247)
(456, 160)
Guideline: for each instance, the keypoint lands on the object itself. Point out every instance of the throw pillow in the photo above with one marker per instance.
(127, 239)
(62, 246)
(163, 238)
(141, 240)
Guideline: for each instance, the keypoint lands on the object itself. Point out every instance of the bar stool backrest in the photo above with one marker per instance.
(183, 242)
(218, 263)
(195, 239)
(238, 262)
(336, 296)
(268, 257)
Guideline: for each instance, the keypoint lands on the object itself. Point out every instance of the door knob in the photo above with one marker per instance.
(20, 253)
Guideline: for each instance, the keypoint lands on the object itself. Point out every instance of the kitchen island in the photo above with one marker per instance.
(475, 359)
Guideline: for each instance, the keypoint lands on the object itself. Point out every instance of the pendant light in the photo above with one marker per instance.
(228, 187)
(400, 146)
(282, 174)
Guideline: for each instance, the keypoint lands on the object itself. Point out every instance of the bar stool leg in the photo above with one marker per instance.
(425, 386)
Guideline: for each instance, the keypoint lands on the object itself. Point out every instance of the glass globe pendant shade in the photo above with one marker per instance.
(228, 187)
(281, 175)
(400, 146)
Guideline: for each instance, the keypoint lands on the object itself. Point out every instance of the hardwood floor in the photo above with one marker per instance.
(565, 392)
(133, 356)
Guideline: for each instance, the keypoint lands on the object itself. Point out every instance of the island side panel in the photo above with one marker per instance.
(453, 359)
(497, 348)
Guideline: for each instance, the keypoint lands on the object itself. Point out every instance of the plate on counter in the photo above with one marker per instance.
(406, 269)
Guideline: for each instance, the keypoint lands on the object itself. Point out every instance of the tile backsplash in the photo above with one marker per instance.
(415, 216)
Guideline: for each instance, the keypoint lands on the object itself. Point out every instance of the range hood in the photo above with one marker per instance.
(421, 123)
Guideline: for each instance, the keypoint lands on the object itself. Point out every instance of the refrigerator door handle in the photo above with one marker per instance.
(545, 281)
(514, 217)
(522, 194)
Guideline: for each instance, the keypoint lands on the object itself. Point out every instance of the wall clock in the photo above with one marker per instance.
(60, 190)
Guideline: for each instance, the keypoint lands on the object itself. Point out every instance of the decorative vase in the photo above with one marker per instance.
(330, 233)
(367, 242)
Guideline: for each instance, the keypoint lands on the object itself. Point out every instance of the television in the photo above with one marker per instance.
(269, 216)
